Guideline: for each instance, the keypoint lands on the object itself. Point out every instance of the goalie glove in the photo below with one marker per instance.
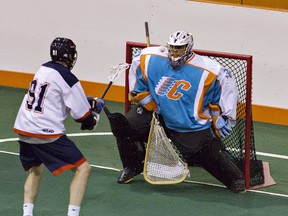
(96, 104)
(144, 99)
(221, 124)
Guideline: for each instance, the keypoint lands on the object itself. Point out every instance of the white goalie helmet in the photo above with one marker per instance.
(180, 46)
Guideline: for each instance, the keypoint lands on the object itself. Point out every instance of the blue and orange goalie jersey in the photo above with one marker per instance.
(182, 95)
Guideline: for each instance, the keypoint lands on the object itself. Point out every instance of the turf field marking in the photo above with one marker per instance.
(222, 186)
(272, 155)
(91, 134)
(8, 140)
(106, 168)
(11, 153)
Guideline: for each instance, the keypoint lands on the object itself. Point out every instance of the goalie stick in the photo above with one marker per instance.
(162, 164)
(147, 34)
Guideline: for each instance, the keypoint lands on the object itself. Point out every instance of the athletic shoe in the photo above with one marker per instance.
(125, 176)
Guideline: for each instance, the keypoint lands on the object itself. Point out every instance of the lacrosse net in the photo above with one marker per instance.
(240, 143)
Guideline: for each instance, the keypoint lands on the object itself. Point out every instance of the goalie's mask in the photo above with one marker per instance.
(179, 45)
(63, 50)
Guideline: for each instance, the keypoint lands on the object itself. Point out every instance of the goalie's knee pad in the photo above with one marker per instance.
(119, 124)
(136, 123)
(218, 162)
(226, 161)
(228, 164)
(132, 153)
(139, 117)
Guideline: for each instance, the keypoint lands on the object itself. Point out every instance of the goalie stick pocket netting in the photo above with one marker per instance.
(162, 164)
(240, 143)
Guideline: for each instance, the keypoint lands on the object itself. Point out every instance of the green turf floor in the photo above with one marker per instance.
(107, 198)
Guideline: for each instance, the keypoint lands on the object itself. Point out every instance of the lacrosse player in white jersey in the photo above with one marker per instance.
(196, 101)
(55, 93)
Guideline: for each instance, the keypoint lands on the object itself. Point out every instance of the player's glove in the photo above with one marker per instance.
(90, 122)
(221, 124)
(96, 104)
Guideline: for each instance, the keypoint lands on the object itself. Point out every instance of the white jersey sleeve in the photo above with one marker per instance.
(158, 50)
(229, 92)
(76, 101)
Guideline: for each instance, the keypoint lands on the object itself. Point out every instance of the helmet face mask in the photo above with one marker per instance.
(179, 45)
(63, 50)
(176, 52)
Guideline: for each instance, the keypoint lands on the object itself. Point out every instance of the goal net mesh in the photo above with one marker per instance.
(162, 163)
(240, 143)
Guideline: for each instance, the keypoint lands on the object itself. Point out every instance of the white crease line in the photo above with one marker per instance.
(103, 167)
(272, 155)
(8, 140)
(6, 152)
(91, 134)
(269, 193)
(254, 191)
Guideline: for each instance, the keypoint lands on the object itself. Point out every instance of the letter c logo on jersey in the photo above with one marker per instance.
(170, 87)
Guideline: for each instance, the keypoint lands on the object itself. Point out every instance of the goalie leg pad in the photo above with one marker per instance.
(136, 123)
(219, 163)
(139, 118)
(132, 154)
(119, 124)
(131, 132)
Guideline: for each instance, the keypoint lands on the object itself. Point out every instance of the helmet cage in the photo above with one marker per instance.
(175, 58)
(179, 42)
(64, 50)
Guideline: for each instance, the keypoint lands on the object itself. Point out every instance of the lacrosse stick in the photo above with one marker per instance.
(114, 74)
(98, 103)
(162, 164)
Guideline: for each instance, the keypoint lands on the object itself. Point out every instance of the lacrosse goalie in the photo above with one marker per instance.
(195, 99)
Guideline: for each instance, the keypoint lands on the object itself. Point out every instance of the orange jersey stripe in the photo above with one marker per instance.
(43, 136)
(68, 167)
